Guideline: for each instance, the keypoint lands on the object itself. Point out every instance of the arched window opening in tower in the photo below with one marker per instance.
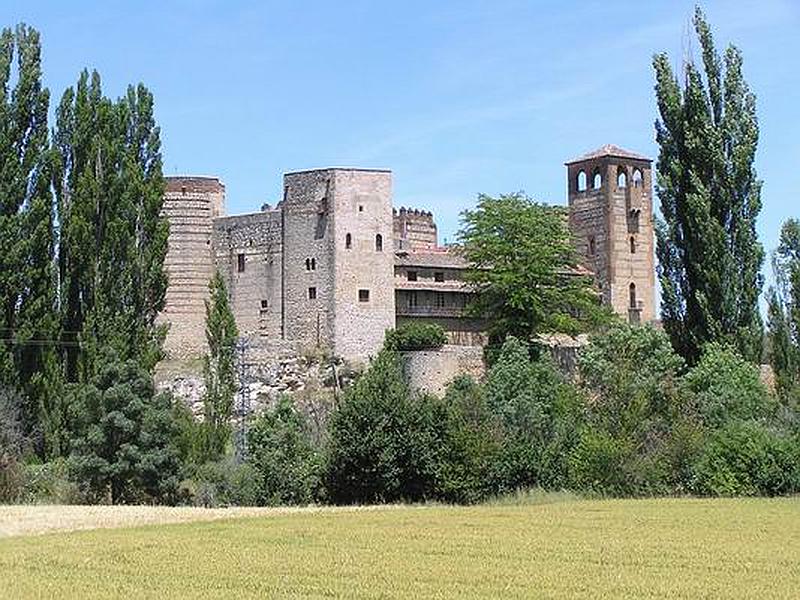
(308, 264)
(592, 246)
(581, 182)
(379, 243)
(632, 295)
(622, 178)
(597, 180)
(633, 245)
(637, 178)
(348, 242)
(313, 264)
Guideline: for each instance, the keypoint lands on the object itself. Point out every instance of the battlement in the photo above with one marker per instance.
(414, 229)
(189, 184)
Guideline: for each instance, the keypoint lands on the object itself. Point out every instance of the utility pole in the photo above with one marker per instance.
(243, 401)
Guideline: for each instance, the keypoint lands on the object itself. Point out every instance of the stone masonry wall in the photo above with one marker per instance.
(430, 371)
(190, 204)
(414, 230)
(255, 290)
(364, 272)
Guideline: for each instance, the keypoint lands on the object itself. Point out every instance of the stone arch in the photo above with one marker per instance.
(580, 181)
(597, 179)
(622, 178)
(637, 178)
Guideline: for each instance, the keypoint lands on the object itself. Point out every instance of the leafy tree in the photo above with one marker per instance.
(27, 284)
(219, 368)
(525, 269)
(122, 449)
(784, 312)
(640, 435)
(109, 187)
(724, 387)
(384, 445)
(287, 465)
(708, 251)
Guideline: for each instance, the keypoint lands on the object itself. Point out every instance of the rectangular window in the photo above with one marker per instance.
(363, 295)
(412, 300)
(412, 275)
(240, 263)
(439, 300)
(264, 304)
(312, 293)
(438, 276)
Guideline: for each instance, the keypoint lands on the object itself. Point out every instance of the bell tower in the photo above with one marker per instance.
(611, 220)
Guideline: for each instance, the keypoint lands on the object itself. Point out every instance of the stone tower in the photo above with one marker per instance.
(338, 260)
(611, 219)
(191, 204)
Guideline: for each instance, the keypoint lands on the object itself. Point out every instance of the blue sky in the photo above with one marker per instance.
(456, 98)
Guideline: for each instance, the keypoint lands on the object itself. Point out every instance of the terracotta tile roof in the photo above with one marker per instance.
(609, 150)
(439, 257)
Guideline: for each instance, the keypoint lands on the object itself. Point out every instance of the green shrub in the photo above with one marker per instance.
(472, 443)
(384, 445)
(48, 483)
(540, 413)
(221, 483)
(417, 336)
(599, 463)
(748, 459)
(724, 387)
(281, 453)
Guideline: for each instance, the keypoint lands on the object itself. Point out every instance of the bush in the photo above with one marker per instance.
(48, 483)
(287, 466)
(417, 336)
(724, 387)
(384, 446)
(12, 444)
(748, 459)
(599, 463)
(540, 413)
(472, 443)
(221, 483)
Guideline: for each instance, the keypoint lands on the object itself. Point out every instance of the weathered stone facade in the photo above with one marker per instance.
(333, 266)
(611, 219)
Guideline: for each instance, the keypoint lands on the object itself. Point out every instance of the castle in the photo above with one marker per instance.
(334, 265)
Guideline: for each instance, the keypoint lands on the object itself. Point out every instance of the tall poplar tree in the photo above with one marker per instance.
(109, 187)
(708, 251)
(27, 278)
(783, 302)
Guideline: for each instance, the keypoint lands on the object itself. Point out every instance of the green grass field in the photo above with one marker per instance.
(564, 549)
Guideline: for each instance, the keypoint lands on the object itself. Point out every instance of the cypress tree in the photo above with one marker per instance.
(219, 369)
(708, 251)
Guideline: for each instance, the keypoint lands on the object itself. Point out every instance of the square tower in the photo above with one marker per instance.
(611, 220)
(338, 260)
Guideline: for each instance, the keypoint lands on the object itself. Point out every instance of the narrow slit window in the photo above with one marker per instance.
(240, 263)
(633, 245)
(379, 243)
(312, 293)
(348, 241)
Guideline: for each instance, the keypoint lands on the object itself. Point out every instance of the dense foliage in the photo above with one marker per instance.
(784, 313)
(417, 336)
(525, 269)
(709, 256)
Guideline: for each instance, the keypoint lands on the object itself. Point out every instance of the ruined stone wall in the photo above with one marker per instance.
(190, 205)
(430, 371)
(248, 253)
(414, 230)
(363, 283)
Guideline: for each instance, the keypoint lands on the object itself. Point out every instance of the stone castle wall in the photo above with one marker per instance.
(430, 371)
(414, 230)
